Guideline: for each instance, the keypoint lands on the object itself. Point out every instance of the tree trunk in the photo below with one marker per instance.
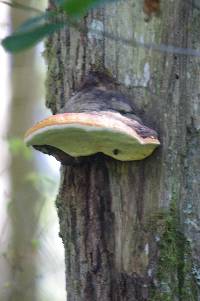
(25, 203)
(131, 229)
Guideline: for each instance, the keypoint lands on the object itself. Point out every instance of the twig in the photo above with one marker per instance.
(17, 5)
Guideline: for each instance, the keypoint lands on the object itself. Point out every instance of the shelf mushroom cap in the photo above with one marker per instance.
(87, 133)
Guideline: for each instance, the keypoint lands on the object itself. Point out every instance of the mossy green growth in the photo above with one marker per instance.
(174, 279)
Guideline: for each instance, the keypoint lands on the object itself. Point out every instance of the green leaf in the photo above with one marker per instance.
(30, 33)
(76, 8)
(34, 22)
(22, 40)
(35, 29)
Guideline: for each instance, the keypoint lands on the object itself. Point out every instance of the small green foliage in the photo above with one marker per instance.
(20, 41)
(76, 8)
(35, 244)
(35, 29)
(36, 21)
(17, 147)
(30, 32)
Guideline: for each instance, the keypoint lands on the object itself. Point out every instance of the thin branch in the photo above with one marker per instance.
(135, 43)
(152, 46)
(155, 47)
(17, 5)
(170, 49)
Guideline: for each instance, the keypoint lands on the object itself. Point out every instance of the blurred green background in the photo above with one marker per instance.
(31, 252)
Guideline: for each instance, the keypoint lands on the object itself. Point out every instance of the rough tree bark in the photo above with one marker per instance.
(131, 229)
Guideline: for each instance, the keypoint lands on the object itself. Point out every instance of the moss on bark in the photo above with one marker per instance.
(174, 279)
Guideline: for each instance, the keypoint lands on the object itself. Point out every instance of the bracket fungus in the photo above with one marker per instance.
(94, 123)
